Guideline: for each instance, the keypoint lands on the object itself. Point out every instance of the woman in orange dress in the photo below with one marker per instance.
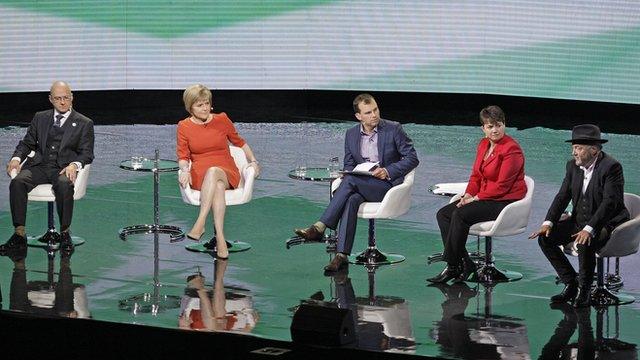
(206, 163)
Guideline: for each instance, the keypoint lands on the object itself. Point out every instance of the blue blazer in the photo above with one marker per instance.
(395, 150)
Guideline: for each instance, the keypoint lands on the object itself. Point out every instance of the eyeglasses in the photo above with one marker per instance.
(60, 98)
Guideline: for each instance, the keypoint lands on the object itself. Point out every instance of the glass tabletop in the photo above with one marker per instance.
(312, 174)
(164, 165)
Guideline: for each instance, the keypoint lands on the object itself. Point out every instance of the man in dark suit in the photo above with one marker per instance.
(594, 184)
(373, 140)
(62, 140)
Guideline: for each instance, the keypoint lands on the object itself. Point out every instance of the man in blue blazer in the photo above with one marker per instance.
(373, 140)
(62, 140)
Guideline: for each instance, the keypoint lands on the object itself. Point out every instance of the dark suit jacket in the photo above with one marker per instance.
(76, 144)
(605, 194)
(395, 150)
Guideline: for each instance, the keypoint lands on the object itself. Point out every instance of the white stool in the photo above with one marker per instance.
(512, 220)
(396, 202)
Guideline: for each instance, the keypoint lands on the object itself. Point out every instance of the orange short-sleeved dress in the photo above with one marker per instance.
(207, 145)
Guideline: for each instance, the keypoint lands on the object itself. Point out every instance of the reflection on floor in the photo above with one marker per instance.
(379, 323)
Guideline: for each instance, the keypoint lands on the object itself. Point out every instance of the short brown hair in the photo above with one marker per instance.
(491, 115)
(362, 98)
(195, 93)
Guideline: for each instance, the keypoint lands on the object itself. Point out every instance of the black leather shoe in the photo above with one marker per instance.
(584, 297)
(311, 233)
(15, 247)
(211, 244)
(468, 268)
(449, 272)
(66, 245)
(338, 262)
(567, 294)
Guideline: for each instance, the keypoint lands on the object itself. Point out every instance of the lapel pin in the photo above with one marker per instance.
(73, 124)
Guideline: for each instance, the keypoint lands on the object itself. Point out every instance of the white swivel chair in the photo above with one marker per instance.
(240, 195)
(44, 192)
(512, 220)
(624, 241)
(396, 202)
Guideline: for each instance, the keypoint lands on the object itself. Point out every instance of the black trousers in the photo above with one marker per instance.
(454, 223)
(28, 179)
(561, 235)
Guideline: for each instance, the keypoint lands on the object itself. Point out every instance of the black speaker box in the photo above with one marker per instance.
(319, 325)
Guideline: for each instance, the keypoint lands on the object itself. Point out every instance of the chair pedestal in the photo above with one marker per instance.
(488, 273)
(372, 256)
(209, 246)
(50, 240)
(602, 296)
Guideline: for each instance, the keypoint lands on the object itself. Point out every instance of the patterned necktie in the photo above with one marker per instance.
(56, 122)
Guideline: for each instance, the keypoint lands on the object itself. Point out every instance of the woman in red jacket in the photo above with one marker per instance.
(496, 180)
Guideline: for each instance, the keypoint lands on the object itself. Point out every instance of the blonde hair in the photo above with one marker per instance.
(195, 93)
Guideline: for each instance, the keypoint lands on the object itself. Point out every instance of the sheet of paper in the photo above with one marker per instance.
(365, 167)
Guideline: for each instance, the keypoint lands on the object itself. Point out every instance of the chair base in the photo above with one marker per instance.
(175, 232)
(613, 282)
(601, 297)
(48, 238)
(375, 257)
(233, 247)
(489, 274)
(149, 303)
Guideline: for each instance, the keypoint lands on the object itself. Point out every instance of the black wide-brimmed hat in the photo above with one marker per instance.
(586, 134)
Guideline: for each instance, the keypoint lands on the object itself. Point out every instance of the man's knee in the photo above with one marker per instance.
(355, 200)
(543, 241)
(63, 185)
(349, 181)
(17, 182)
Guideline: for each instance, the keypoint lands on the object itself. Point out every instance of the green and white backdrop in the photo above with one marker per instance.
(584, 50)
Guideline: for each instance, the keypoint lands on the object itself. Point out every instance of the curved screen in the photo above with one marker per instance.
(585, 50)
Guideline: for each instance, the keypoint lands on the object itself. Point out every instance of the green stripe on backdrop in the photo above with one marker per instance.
(576, 68)
(164, 18)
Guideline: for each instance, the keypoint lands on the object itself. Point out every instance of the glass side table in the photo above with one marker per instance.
(156, 166)
(317, 174)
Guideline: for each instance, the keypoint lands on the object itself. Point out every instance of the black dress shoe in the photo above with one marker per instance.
(468, 268)
(66, 245)
(584, 297)
(567, 294)
(211, 244)
(449, 272)
(15, 247)
(311, 233)
(338, 262)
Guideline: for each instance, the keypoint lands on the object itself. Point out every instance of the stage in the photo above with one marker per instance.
(392, 307)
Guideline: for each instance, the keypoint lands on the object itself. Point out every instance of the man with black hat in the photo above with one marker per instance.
(594, 184)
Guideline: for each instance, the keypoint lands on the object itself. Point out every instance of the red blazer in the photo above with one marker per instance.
(501, 176)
